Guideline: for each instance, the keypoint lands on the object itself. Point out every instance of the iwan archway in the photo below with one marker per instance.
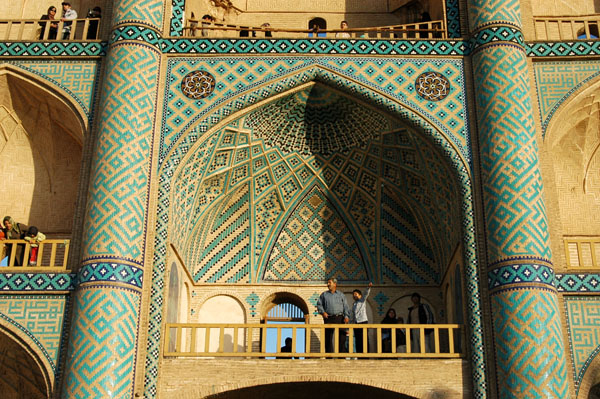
(320, 180)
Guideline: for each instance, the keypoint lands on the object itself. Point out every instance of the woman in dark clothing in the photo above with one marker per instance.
(14, 231)
(53, 25)
(386, 333)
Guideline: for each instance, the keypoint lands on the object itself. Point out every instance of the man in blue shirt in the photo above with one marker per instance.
(332, 305)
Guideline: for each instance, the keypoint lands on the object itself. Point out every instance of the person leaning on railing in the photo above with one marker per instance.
(14, 231)
(34, 237)
(49, 16)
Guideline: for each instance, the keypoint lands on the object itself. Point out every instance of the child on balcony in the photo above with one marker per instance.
(34, 237)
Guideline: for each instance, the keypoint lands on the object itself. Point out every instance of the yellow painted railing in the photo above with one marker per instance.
(52, 256)
(583, 252)
(30, 29)
(421, 30)
(250, 340)
(583, 27)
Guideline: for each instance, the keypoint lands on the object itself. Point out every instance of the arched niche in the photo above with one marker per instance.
(41, 138)
(572, 150)
(23, 371)
(222, 309)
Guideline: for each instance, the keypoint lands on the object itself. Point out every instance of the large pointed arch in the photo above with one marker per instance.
(24, 366)
(203, 135)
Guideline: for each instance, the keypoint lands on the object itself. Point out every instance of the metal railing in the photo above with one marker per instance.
(250, 340)
(582, 252)
(583, 27)
(421, 30)
(52, 256)
(31, 29)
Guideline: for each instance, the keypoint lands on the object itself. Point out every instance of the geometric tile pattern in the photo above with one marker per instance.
(314, 46)
(214, 110)
(238, 76)
(98, 273)
(520, 274)
(252, 300)
(55, 49)
(177, 17)
(140, 34)
(583, 318)
(221, 246)
(315, 244)
(381, 299)
(37, 282)
(311, 115)
(453, 19)
(118, 188)
(206, 184)
(40, 317)
(529, 345)
(516, 220)
(494, 34)
(485, 12)
(432, 86)
(406, 255)
(556, 81)
(577, 282)
(146, 11)
(102, 344)
(563, 49)
(76, 78)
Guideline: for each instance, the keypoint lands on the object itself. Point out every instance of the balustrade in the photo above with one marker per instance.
(29, 29)
(251, 340)
(52, 256)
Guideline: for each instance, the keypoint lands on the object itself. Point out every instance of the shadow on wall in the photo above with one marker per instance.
(41, 145)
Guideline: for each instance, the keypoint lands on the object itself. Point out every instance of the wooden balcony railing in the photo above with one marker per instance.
(584, 27)
(252, 340)
(52, 256)
(30, 29)
(583, 252)
(421, 30)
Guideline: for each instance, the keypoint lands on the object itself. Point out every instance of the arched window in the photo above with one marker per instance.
(317, 24)
(285, 308)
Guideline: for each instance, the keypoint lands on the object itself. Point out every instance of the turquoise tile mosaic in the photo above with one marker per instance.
(40, 317)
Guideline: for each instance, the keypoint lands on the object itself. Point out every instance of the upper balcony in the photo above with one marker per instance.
(566, 28)
(26, 30)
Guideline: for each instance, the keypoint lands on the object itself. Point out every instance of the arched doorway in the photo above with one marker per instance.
(21, 373)
(306, 390)
(285, 309)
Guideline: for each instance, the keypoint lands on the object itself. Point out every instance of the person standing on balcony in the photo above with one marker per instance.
(14, 231)
(68, 15)
(332, 305)
(95, 13)
(420, 313)
(343, 35)
(50, 16)
(359, 315)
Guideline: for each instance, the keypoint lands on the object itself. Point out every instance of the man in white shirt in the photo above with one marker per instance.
(68, 15)
(359, 315)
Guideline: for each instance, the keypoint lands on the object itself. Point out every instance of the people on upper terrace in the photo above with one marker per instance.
(343, 35)
(95, 13)
(593, 32)
(14, 231)
(3, 257)
(420, 313)
(68, 15)
(34, 237)
(206, 20)
(52, 26)
(267, 26)
(332, 305)
(359, 315)
(386, 333)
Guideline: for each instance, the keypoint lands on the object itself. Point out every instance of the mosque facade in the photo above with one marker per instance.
(198, 177)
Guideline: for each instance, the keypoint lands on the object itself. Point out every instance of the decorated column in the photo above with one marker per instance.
(101, 358)
(529, 349)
